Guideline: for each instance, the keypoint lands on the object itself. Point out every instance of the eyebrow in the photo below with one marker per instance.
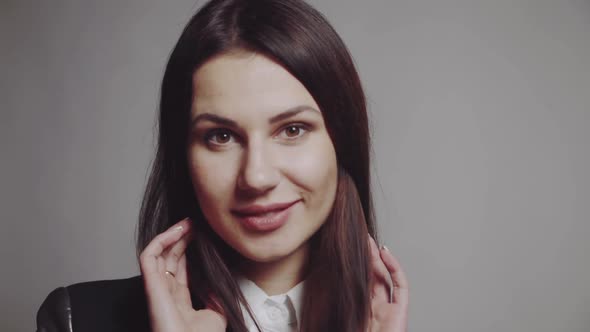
(291, 112)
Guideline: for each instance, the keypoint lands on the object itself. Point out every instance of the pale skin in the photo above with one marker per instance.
(258, 160)
(258, 137)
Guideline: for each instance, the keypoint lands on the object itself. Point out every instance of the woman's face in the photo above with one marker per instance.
(262, 164)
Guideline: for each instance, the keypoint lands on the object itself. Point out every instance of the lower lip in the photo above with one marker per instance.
(266, 223)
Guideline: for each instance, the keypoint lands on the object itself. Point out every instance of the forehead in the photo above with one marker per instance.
(246, 83)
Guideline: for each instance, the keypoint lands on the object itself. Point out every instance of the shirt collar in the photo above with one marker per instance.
(255, 297)
(295, 295)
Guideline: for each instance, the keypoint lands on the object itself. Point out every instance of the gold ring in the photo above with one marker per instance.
(170, 273)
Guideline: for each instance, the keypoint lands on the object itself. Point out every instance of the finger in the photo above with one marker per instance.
(153, 265)
(176, 251)
(176, 278)
(169, 261)
(182, 275)
(166, 276)
(398, 276)
(381, 280)
(181, 293)
(395, 269)
(149, 256)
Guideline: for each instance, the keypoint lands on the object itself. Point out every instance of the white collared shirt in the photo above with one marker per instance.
(277, 313)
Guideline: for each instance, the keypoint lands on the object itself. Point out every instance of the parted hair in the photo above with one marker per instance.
(298, 37)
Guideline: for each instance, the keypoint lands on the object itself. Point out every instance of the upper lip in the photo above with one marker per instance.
(255, 209)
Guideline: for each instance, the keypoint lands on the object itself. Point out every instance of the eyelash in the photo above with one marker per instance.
(213, 132)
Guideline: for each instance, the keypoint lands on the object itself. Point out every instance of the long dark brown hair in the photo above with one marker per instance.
(299, 38)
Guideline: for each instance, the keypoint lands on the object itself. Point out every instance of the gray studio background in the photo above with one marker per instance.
(481, 118)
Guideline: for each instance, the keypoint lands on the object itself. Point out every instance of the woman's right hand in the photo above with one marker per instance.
(163, 266)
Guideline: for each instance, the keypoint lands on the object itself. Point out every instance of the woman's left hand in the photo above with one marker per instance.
(387, 316)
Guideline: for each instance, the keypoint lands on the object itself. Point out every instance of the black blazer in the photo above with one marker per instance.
(106, 305)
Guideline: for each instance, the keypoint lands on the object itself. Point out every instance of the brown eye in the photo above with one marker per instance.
(222, 137)
(292, 131)
(218, 137)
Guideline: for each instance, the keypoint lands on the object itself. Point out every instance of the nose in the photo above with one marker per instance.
(258, 173)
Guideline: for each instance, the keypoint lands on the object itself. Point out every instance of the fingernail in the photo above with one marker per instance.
(178, 228)
(383, 247)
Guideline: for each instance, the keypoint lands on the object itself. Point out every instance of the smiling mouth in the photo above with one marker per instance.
(264, 218)
(259, 210)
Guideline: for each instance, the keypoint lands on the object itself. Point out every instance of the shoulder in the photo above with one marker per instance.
(103, 305)
(116, 292)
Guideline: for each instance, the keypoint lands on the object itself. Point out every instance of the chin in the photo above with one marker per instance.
(266, 255)
(264, 258)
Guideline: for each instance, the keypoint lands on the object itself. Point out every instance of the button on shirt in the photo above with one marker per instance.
(276, 313)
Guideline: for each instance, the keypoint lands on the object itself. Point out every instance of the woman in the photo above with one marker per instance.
(263, 156)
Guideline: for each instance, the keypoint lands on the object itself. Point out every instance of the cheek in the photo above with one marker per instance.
(314, 169)
(212, 177)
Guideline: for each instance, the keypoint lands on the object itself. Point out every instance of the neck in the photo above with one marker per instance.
(277, 277)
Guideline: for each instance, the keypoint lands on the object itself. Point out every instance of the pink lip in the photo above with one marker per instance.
(264, 218)
(261, 209)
